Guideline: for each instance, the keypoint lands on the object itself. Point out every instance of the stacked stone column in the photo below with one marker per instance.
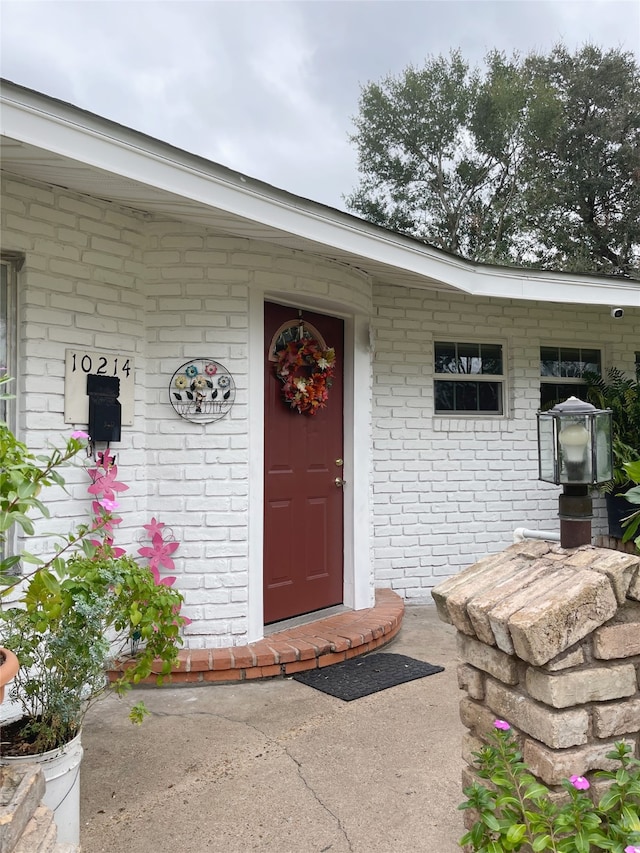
(549, 640)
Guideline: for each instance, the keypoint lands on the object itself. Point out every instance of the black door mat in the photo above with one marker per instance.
(363, 676)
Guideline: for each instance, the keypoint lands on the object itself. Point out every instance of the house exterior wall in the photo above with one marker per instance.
(198, 288)
(444, 491)
(81, 287)
(96, 277)
(449, 489)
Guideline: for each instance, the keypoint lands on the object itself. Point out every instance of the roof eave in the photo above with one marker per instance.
(81, 137)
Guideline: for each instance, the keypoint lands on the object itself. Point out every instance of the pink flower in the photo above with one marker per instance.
(103, 520)
(168, 581)
(160, 553)
(106, 484)
(101, 548)
(503, 725)
(579, 783)
(78, 433)
(154, 527)
(632, 849)
(108, 505)
(105, 459)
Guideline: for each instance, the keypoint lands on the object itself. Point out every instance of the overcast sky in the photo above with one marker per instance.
(266, 87)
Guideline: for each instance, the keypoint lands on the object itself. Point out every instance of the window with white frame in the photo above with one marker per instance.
(9, 266)
(561, 372)
(8, 270)
(469, 378)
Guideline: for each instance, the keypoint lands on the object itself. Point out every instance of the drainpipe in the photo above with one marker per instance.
(522, 533)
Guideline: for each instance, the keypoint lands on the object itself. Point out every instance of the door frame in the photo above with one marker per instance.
(358, 584)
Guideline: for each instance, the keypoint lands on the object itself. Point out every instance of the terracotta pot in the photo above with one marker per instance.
(9, 665)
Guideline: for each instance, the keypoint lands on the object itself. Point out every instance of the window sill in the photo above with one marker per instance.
(472, 423)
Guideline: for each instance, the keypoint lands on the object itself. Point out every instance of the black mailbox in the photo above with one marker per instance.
(104, 409)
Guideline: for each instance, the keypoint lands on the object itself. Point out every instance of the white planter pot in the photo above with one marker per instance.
(61, 769)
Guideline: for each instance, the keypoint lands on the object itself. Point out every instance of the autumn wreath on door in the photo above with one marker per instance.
(306, 370)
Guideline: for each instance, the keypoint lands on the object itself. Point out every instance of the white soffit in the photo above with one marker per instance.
(52, 142)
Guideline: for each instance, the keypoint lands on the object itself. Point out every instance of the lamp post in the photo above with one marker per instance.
(574, 451)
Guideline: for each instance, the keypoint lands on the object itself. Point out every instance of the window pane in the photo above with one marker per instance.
(444, 396)
(546, 458)
(3, 314)
(551, 393)
(466, 359)
(4, 287)
(466, 396)
(549, 361)
(591, 361)
(570, 362)
(491, 358)
(469, 358)
(490, 396)
(445, 360)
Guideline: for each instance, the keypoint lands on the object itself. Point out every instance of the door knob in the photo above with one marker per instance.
(340, 483)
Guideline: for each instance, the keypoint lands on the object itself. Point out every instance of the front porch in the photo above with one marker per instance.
(315, 644)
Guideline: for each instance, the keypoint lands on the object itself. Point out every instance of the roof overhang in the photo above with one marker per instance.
(47, 140)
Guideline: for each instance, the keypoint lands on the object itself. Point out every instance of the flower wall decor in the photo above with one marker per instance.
(305, 370)
(202, 391)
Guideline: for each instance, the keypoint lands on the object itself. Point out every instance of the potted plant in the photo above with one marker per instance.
(61, 633)
(9, 665)
(64, 618)
(621, 394)
(631, 522)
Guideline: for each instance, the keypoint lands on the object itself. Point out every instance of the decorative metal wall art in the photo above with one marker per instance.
(202, 391)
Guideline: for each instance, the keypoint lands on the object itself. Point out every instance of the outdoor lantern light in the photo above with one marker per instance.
(574, 451)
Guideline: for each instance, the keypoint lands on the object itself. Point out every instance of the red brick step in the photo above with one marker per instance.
(316, 644)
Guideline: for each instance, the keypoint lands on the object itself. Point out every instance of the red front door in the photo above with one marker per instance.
(303, 506)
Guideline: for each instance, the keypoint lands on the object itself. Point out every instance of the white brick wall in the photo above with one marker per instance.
(445, 490)
(64, 301)
(197, 305)
(96, 277)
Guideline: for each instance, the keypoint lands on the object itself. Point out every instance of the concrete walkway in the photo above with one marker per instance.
(276, 766)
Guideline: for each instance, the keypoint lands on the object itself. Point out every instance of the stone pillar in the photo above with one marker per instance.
(549, 640)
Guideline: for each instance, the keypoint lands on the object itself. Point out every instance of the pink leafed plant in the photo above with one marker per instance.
(104, 488)
(159, 553)
(105, 485)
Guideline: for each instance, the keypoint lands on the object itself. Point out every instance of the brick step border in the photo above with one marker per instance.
(316, 644)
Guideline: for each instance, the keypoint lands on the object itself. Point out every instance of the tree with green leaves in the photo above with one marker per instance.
(531, 161)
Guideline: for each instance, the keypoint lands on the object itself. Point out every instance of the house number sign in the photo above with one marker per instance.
(81, 363)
